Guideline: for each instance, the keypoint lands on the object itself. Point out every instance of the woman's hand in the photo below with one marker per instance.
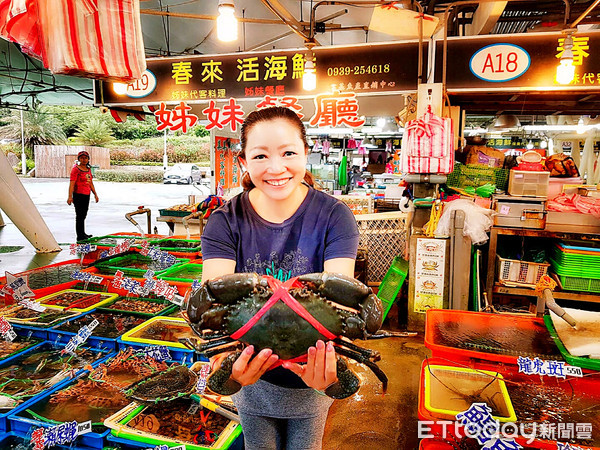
(69, 200)
(320, 370)
(96, 196)
(246, 371)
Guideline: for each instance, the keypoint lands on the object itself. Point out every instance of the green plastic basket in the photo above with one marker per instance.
(123, 263)
(112, 240)
(392, 282)
(580, 361)
(576, 261)
(571, 270)
(185, 273)
(167, 309)
(475, 175)
(170, 245)
(172, 213)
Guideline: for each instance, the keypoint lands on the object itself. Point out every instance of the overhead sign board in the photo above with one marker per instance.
(367, 69)
(517, 62)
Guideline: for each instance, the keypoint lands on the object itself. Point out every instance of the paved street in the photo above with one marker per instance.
(105, 217)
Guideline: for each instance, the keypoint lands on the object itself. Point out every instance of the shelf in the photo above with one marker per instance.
(559, 295)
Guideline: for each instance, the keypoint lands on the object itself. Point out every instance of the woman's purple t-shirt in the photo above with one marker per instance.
(322, 228)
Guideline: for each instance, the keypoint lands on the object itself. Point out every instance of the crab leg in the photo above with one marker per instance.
(371, 354)
(367, 362)
(212, 352)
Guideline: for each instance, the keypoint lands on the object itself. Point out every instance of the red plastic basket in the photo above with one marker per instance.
(474, 329)
(586, 387)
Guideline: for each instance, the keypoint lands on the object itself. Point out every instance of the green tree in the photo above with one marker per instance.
(93, 132)
(40, 128)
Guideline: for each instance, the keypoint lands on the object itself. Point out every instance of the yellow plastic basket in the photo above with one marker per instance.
(118, 423)
(104, 299)
(179, 328)
(451, 390)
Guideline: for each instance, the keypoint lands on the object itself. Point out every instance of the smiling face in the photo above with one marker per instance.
(275, 157)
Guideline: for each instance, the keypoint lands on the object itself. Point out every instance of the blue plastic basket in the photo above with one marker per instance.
(30, 331)
(12, 439)
(5, 417)
(63, 337)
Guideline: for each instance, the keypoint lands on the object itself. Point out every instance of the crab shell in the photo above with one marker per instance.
(228, 302)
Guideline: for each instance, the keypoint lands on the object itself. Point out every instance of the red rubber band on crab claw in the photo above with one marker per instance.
(281, 292)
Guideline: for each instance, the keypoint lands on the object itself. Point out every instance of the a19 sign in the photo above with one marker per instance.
(500, 62)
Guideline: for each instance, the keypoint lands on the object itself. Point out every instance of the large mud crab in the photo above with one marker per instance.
(245, 307)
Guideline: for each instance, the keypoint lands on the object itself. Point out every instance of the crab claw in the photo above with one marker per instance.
(198, 303)
(224, 290)
(347, 383)
(220, 380)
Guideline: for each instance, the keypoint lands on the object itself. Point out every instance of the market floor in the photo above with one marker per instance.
(372, 420)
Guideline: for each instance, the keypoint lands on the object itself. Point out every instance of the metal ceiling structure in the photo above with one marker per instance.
(181, 27)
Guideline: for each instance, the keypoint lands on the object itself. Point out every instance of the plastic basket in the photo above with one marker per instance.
(384, 237)
(122, 263)
(6, 417)
(570, 283)
(565, 395)
(392, 283)
(475, 175)
(170, 245)
(465, 335)
(512, 272)
(51, 278)
(528, 183)
(48, 318)
(119, 427)
(56, 334)
(444, 384)
(179, 329)
(89, 302)
(579, 361)
(179, 273)
(172, 213)
(168, 307)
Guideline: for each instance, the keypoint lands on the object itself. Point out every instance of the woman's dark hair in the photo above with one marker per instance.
(264, 115)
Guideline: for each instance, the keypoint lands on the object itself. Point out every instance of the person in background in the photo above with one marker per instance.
(280, 226)
(80, 188)
(389, 165)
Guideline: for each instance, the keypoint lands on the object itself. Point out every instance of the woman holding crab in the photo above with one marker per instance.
(280, 225)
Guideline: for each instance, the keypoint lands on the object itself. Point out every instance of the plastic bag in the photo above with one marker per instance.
(478, 220)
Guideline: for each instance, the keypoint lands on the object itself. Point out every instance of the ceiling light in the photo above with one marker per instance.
(120, 88)
(227, 26)
(381, 122)
(565, 72)
(506, 122)
(529, 145)
(543, 144)
(309, 79)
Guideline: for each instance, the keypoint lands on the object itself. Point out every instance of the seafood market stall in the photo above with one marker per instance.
(93, 358)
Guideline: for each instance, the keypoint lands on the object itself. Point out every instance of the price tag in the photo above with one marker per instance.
(146, 422)
(505, 209)
(6, 330)
(33, 305)
(573, 371)
(193, 409)
(83, 428)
